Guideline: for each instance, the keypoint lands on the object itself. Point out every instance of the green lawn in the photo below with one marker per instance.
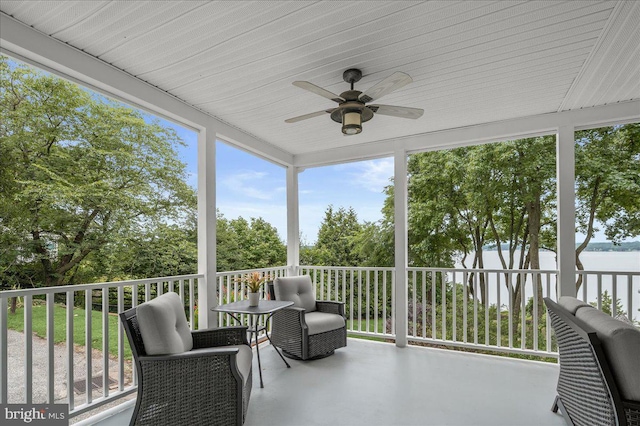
(353, 325)
(39, 321)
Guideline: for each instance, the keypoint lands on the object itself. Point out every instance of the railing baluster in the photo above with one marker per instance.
(630, 296)
(523, 311)
(614, 295)
(105, 341)
(475, 308)
(434, 324)
(192, 304)
(51, 395)
(4, 363)
(465, 296)
(70, 350)
(384, 301)
(359, 300)
(344, 285)
(444, 305)
(424, 304)
(351, 274)
(87, 345)
(120, 341)
(599, 296)
(375, 303)
(511, 305)
(547, 319)
(454, 307)
(498, 312)
(414, 296)
(535, 310)
(393, 304)
(28, 348)
(487, 288)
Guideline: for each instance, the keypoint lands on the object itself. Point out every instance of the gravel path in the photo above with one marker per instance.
(16, 373)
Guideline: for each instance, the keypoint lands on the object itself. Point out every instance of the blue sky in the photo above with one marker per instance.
(249, 186)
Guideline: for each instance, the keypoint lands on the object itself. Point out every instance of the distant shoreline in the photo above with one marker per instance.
(599, 247)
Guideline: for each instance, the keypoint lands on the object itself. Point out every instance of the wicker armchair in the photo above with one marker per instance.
(208, 383)
(587, 390)
(310, 329)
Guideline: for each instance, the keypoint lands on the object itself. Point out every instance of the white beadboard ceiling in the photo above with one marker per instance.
(472, 62)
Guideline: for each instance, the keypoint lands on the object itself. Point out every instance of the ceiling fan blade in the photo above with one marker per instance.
(386, 86)
(397, 111)
(310, 115)
(318, 90)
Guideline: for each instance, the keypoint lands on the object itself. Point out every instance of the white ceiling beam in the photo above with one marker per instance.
(38, 49)
(619, 113)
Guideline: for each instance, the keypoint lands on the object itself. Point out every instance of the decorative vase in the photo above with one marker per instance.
(254, 298)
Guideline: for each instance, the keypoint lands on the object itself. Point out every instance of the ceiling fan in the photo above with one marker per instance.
(353, 110)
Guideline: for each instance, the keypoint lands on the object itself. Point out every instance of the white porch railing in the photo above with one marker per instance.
(368, 294)
(482, 309)
(84, 379)
(230, 289)
(473, 308)
(469, 308)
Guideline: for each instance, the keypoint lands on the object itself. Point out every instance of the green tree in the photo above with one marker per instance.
(336, 237)
(79, 172)
(607, 184)
(243, 244)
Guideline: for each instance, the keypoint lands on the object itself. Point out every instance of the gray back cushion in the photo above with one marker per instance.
(297, 290)
(163, 325)
(621, 345)
(572, 304)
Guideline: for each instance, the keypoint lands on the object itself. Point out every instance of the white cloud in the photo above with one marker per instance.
(372, 175)
(246, 183)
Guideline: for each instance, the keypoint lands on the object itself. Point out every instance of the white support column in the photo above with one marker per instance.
(293, 221)
(565, 172)
(401, 245)
(207, 228)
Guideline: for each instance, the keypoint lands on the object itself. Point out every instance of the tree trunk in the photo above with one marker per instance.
(14, 305)
(593, 205)
(534, 213)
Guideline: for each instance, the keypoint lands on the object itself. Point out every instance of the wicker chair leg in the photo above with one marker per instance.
(558, 404)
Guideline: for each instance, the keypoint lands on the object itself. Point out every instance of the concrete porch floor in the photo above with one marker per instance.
(371, 383)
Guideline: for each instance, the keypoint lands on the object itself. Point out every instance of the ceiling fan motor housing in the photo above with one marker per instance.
(352, 75)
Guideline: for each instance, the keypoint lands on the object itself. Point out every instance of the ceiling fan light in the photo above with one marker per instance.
(351, 122)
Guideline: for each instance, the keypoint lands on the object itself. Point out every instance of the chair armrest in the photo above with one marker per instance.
(288, 322)
(330, 307)
(197, 353)
(223, 336)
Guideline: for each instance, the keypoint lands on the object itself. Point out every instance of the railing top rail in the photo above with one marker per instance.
(93, 286)
(244, 271)
(608, 272)
(500, 271)
(351, 268)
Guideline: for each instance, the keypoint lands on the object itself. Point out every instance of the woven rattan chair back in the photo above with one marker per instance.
(588, 395)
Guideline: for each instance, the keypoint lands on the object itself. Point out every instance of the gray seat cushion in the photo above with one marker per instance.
(298, 290)
(321, 322)
(163, 325)
(621, 345)
(572, 304)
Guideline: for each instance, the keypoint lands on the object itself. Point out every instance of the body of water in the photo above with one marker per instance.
(626, 288)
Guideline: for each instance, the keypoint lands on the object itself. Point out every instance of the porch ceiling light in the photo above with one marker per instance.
(351, 122)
